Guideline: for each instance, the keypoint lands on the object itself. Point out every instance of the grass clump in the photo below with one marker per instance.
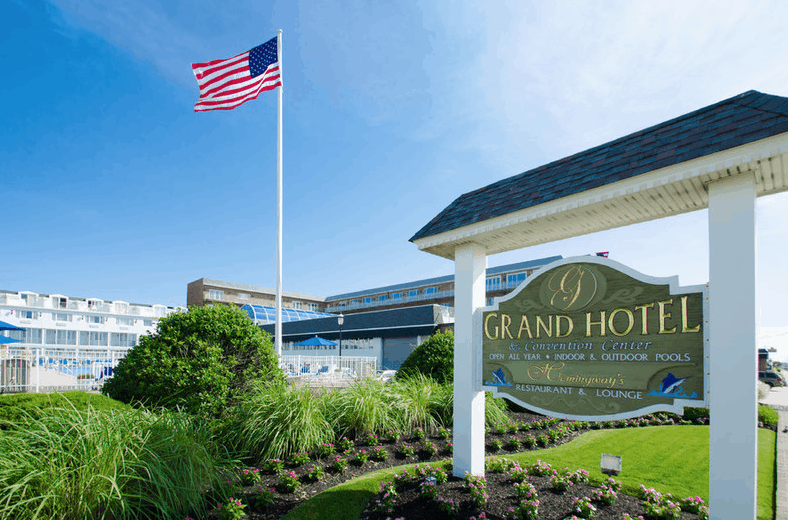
(14, 408)
(104, 464)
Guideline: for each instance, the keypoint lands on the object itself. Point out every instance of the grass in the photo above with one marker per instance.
(16, 406)
(103, 464)
(672, 459)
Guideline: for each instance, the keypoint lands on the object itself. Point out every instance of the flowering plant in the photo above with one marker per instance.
(325, 450)
(515, 443)
(361, 458)
(273, 465)
(429, 488)
(379, 453)
(529, 441)
(430, 448)
(498, 464)
(444, 433)
(392, 436)
(496, 444)
(580, 476)
(300, 458)
(418, 432)
(288, 481)
(313, 474)
(370, 439)
(346, 444)
(525, 490)
(584, 507)
(477, 485)
(264, 497)
(560, 483)
(232, 510)
(540, 468)
(517, 473)
(250, 477)
(604, 495)
(339, 464)
(449, 448)
(448, 506)
(543, 440)
(525, 510)
(613, 484)
(408, 450)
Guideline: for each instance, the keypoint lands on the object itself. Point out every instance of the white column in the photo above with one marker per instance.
(468, 437)
(733, 353)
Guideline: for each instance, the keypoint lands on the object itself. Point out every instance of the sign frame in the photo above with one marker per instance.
(674, 289)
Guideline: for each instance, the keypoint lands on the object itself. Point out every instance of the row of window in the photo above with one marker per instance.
(512, 280)
(347, 344)
(394, 296)
(216, 294)
(74, 338)
(64, 317)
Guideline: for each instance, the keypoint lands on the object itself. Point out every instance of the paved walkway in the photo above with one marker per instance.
(778, 399)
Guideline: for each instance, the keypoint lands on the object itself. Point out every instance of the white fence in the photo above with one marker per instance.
(328, 368)
(45, 369)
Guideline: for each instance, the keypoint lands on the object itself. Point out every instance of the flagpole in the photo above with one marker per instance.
(278, 327)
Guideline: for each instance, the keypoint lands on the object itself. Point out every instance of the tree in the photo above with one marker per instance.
(433, 358)
(198, 361)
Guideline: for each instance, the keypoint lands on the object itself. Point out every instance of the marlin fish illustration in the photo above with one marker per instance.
(670, 383)
(499, 377)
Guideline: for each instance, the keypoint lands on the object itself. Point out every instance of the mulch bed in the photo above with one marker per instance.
(411, 506)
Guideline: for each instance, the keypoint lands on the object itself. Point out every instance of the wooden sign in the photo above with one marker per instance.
(590, 339)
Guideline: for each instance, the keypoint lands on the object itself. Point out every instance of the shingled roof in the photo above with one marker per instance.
(742, 119)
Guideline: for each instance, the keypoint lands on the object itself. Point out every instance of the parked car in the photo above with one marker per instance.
(771, 378)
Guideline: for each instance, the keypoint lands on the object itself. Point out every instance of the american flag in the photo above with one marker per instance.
(603, 254)
(226, 84)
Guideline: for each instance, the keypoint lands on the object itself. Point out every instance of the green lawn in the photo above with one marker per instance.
(672, 459)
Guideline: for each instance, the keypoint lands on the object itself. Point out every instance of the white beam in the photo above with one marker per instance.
(733, 352)
(470, 263)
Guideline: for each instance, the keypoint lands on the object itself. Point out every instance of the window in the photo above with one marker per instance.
(147, 323)
(312, 307)
(28, 315)
(396, 295)
(430, 290)
(298, 305)
(215, 294)
(66, 337)
(383, 297)
(98, 339)
(368, 299)
(95, 319)
(125, 321)
(515, 279)
(61, 316)
(413, 292)
(494, 283)
(355, 300)
(489, 301)
(122, 339)
(62, 302)
(244, 296)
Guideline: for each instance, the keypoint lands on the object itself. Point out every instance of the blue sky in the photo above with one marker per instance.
(115, 189)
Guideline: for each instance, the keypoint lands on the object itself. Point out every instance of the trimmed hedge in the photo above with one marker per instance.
(433, 358)
(14, 407)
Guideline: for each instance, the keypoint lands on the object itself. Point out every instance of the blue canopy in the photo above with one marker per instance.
(6, 339)
(8, 326)
(317, 341)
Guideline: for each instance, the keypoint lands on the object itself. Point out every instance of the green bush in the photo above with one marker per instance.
(118, 464)
(433, 358)
(768, 416)
(690, 413)
(197, 361)
(16, 406)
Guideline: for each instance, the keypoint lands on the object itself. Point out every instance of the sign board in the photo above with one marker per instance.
(590, 339)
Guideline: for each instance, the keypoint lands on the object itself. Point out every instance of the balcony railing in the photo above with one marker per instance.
(392, 301)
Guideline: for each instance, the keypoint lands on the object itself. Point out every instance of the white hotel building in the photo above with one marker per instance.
(67, 341)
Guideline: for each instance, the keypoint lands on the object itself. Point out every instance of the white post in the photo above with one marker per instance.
(278, 326)
(468, 436)
(733, 354)
(38, 370)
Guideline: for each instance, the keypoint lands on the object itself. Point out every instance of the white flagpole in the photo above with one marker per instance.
(278, 327)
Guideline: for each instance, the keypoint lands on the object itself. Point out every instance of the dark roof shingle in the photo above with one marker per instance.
(733, 122)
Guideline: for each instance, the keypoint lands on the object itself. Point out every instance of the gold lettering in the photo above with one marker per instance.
(569, 328)
(643, 316)
(524, 326)
(550, 368)
(568, 289)
(506, 320)
(486, 326)
(613, 317)
(601, 324)
(684, 317)
(663, 315)
(541, 324)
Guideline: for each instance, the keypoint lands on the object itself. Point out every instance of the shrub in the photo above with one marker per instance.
(198, 361)
(691, 414)
(768, 416)
(14, 408)
(364, 408)
(433, 358)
